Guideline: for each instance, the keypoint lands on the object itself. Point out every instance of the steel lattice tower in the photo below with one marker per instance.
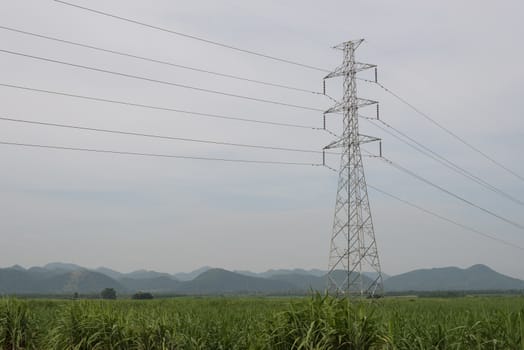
(353, 247)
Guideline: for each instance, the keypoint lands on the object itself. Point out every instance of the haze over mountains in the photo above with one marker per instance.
(60, 278)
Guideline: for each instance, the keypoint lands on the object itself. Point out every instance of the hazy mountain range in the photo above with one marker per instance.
(61, 278)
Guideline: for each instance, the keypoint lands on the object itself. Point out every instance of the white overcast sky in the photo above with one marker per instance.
(458, 61)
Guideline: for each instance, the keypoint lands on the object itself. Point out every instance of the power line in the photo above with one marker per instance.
(448, 131)
(78, 127)
(482, 182)
(456, 223)
(441, 159)
(166, 109)
(207, 41)
(427, 211)
(163, 82)
(249, 161)
(64, 148)
(210, 91)
(500, 165)
(450, 193)
(167, 63)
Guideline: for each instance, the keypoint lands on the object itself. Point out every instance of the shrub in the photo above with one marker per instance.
(142, 296)
(108, 293)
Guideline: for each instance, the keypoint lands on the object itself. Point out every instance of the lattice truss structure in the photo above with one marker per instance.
(353, 248)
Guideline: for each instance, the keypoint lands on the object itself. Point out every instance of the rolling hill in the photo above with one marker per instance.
(80, 281)
(219, 281)
(160, 284)
(476, 277)
(188, 276)
(58, 278)
(42, 281)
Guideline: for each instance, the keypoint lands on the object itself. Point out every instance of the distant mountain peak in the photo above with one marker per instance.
(63, 266)
(215, 272)
(188, 276)
(480, 267)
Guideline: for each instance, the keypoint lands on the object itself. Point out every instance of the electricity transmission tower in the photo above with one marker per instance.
(353, 247)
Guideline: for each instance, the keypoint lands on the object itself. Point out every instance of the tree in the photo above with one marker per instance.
(142, 296)
(108, 293)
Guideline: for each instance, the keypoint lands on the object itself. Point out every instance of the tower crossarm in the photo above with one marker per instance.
(367, 139)
(361, 140)
(340, 106)
(343, 70)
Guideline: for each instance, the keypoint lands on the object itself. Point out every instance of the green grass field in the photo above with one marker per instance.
(263, 323)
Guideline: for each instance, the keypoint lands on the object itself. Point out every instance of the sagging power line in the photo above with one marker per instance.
(173, 138)
(419, 147)
(450, 193)
(204, 90)
(444, 218)
(162, 62)
(448, 131)
(439, 216)
(389, 91)
(160, 108)
(180, 85)
(156, 155)
(193, 37)
(158, 81)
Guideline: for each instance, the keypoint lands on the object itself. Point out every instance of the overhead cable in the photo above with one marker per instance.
(167, 63)
(193, 37)
(440, 159)
(159, 108)
(158, 81)
(441, 217)
(79, 127)
(448, 131)
(450, 193)
(462, 140)
(142, 154)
